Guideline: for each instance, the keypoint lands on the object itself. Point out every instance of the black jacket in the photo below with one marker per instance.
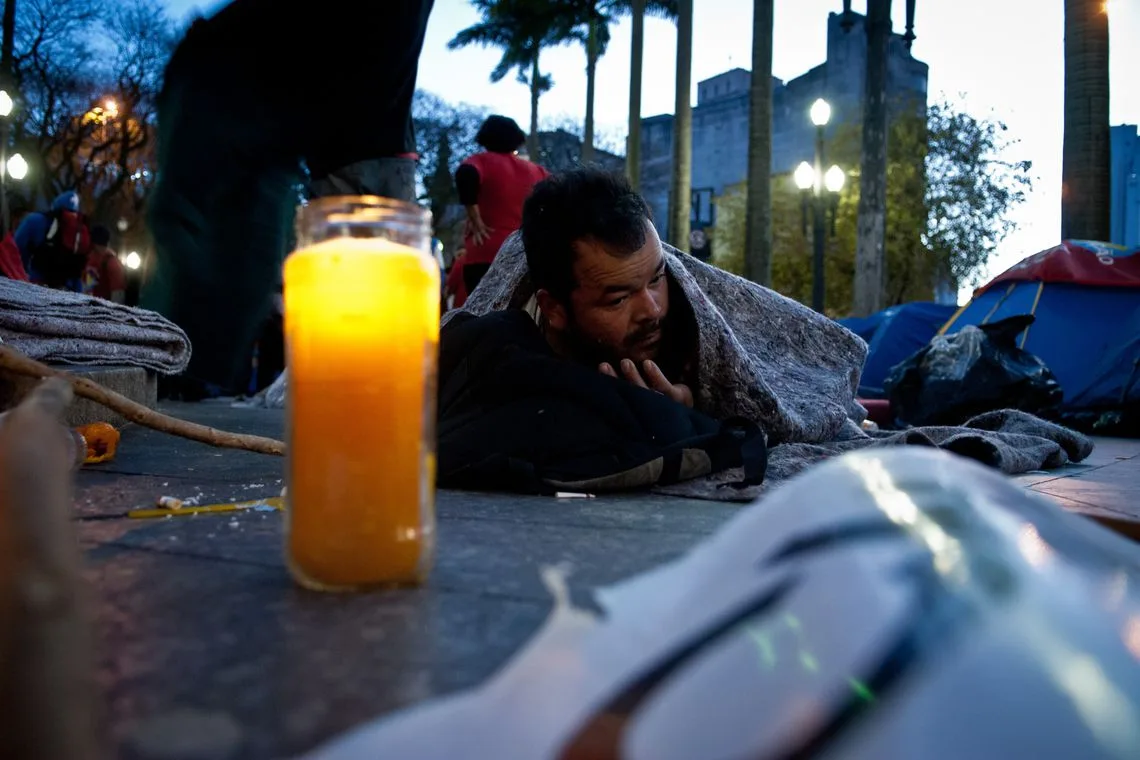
(514, 416)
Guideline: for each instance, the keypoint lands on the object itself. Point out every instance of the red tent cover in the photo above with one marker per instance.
(1083, 262)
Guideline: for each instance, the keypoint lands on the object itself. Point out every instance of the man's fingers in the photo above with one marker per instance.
(683, 394)
(629, 370)
(658, 382)
(606, 369)
(656, 378)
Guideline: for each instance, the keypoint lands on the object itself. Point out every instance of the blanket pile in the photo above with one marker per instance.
(56, 326)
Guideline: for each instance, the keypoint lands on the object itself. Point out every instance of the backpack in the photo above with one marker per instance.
(62, 256)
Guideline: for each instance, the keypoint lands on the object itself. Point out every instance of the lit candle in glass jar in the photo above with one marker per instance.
(362, 331)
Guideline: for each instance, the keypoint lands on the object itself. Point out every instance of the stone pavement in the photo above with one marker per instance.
(1106, 486)
(207, 649)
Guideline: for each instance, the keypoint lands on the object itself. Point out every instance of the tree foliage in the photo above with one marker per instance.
(521, 29)
(445, 135)
(611, 140)
(434, 119)
(88, 75)
(590, 22)
(972, 187)
(950, 191)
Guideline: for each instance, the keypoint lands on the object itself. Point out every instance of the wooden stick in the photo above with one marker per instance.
(15, 362)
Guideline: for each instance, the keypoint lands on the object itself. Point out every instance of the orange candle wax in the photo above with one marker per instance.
(362, 325)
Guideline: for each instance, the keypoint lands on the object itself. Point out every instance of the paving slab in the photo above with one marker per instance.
(203, 635)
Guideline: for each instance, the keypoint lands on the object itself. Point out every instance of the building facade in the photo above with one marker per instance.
(560, 151)
(720, 118)
(1125, 186)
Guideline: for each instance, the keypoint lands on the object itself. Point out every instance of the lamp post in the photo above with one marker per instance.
(6, 106)
(821, 191)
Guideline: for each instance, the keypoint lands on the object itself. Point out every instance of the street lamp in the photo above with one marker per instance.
(820, 112)
(805, 176)
(834, 179)
(821, 191)
(17, 167)
(134, 261)
(7, 105)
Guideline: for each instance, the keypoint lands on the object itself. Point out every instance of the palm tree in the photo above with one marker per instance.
(633, 135)
(637, 11)
(1086, 163)
(596, 16)
(521, 29)
(596, 38)
(870, 243)
(758, 224)
(680, 201)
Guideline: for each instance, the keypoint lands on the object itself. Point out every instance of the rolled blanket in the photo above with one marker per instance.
(56, 326)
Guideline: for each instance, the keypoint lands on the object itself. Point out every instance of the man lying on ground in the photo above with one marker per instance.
(591, 381)
(592, 356)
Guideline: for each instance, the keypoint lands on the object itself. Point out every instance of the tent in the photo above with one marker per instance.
(892, 335)
(1086, 298)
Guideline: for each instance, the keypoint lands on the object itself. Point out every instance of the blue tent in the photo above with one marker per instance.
(1087, 329)
(893, 335)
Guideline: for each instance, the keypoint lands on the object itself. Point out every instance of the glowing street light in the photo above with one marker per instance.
(17, 166)
(111, 108)
(820, 113)
(133, 261)
(834, 179)
(805, 176)
(820, 192)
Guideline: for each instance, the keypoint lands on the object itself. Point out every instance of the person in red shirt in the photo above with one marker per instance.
(492, 185)
(11, 266)
(104, 276)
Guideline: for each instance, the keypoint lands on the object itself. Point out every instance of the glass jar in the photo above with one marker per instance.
(362, 336)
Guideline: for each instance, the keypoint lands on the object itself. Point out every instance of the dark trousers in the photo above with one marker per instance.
(230, 153)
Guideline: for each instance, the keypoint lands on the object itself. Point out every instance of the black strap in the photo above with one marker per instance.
(745, 446)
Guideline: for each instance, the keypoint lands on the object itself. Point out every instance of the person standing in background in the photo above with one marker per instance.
(104, 276)
(492, 185)
(252, 95)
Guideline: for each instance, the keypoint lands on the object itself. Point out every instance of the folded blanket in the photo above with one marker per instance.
(69, 328)
(770, 360)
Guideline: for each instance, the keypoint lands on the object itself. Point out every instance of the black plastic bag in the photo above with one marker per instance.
(979, 369)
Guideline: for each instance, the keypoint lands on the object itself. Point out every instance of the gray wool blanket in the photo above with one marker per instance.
(794, 372)
(56, 326)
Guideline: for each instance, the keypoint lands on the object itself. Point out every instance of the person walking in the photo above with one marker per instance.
(492, 185)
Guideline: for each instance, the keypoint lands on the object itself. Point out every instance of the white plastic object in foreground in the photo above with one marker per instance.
(890, 603)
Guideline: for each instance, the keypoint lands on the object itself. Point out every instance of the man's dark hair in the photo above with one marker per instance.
(581, 204)
(100, 235)
(500, 134)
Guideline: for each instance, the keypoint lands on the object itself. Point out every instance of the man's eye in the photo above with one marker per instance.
(657, 279)
(618, 301)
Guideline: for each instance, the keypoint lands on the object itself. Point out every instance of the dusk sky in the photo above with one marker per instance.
(994, 58)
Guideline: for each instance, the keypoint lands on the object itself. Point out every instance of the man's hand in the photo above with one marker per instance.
(652, 378)
(476, 229)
